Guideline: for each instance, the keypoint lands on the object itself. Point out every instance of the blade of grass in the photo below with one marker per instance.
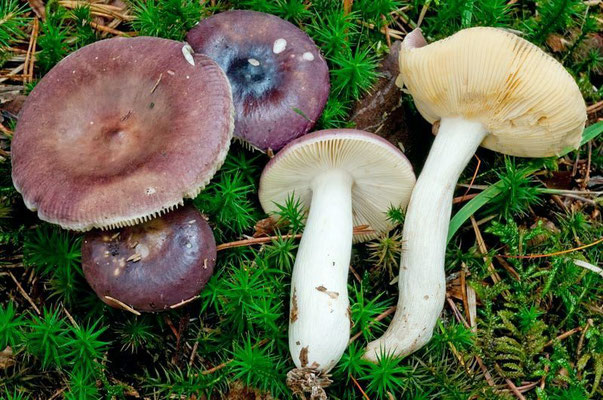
(495, 189)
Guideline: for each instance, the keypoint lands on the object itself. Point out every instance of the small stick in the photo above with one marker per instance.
(110, 30)
(183, 302)
(464, 293)
(510, 384)
(379, 317)
(69, 317)
(464, 197)
(358, 230)
(24, 293)
(359, 388)
(225, 363)
(557, 252)
(563, 336)
(122, 305)
(355, 274)
(347, 6)
(479, 162)
(387, 37)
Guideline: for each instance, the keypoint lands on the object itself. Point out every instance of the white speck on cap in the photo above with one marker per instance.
(188, 52)
(279, 46)
(308, 56)
(253, 62)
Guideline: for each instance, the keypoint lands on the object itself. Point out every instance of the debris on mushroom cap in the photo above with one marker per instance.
(279, 79)
(160, 264)
(382, 175)
(121, 131)
(526, 100)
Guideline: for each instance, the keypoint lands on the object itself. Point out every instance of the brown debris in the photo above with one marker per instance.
(294, 310)
(331, 294)
(308, 380)
(303, 356)
(381, 111)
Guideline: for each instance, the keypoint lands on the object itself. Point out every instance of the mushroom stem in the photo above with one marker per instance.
(422, 283)
(319, 322)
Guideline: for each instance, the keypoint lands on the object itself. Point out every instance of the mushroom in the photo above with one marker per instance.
(154, 266)
(121, 131)
(279, 79)
(345, 177)
(484, 86)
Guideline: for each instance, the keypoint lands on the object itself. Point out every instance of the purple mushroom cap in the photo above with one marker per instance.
(279, 79)
(158, 265)
(120, 131)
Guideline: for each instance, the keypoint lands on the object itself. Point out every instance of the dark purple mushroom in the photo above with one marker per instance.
(121, 131)
(158, 265)
(279, 79)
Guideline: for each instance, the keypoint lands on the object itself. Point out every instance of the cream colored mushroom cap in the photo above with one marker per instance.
(530, 105)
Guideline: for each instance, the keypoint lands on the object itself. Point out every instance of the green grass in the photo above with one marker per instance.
(235, 335)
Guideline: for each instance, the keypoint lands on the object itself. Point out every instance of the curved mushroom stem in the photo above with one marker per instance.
(319, 322)
(422, 282)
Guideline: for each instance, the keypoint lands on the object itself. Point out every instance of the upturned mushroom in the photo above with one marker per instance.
(121, 131)
(279, 79)
(344, 177)
(154, 266)
(487, 87)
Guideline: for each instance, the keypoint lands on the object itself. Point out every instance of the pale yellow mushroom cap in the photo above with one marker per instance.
(526, 100)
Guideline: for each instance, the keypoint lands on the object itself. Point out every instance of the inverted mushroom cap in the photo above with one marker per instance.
(160, 264)
(279, 79)
(526, 100)
(121, 131)
(382, 176)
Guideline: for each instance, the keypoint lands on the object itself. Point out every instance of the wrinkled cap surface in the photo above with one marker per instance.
(382, 176)
(120, 131)
(279, 79)
(527, 101)
(157, 265)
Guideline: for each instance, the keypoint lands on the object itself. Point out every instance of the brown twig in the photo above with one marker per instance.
(24, 293)
(347, 6)
(122, 305)
(479, 162)
(225, 363)
(378, 318)
(530, 256)
(464, 197)
(355, 274)
(110, 30)
(31, 49)
(564, 335)
(358, 230)
(6, 131)
(359, 388)
(509, 383)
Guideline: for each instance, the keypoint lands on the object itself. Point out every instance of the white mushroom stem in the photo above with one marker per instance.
(422, 283)
(319, 323)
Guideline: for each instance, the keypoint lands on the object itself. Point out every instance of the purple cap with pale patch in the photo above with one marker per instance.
(120, 131)
(279, 79)
(160, 264)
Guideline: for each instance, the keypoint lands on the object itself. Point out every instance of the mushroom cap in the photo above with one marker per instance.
(530, 105)
(382, 176)
(120, 131)
(157, 265)
(279, 79)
